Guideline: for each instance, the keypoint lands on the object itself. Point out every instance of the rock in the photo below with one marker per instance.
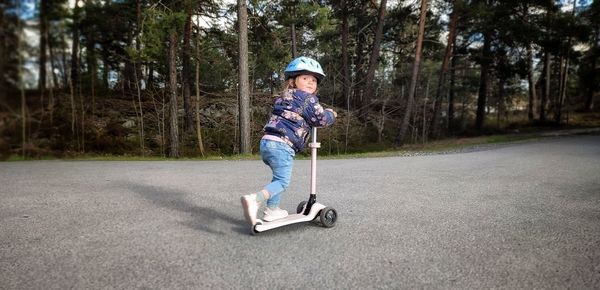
(129, 124)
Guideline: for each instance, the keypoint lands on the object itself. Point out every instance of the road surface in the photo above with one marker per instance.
(521, 216)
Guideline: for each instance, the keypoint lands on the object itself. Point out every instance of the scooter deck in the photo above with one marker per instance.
(262, 226)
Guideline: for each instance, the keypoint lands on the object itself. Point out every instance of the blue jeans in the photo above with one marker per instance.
(279, 157)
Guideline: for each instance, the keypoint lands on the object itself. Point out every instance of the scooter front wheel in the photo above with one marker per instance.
(328, 217)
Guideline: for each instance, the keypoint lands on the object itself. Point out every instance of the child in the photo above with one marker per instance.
(294, 114)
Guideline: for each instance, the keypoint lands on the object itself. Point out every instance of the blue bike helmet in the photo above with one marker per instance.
(303, 65)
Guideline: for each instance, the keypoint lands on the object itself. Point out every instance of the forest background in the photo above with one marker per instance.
(183, 78)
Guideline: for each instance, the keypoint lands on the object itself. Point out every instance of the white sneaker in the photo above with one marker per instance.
(250, 206)
(274, 214)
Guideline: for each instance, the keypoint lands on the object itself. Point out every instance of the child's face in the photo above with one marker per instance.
(307, 83)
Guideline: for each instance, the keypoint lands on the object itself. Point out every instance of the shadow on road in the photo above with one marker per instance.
(201, 218)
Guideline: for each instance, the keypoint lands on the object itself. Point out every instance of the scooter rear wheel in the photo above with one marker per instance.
(300, 207)
(253, 230)
(328, 217)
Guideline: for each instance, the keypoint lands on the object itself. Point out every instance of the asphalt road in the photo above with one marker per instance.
(521, 216)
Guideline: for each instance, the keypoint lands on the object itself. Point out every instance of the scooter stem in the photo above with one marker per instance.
(312, 198)
(313, 161)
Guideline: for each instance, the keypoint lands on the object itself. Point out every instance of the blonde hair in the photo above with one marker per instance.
(289, 84)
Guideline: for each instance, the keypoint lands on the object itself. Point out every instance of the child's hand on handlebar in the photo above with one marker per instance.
(331, 110)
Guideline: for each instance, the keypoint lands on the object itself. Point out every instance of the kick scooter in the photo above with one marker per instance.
(307, 210)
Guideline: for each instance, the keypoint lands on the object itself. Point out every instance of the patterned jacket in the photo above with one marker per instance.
(294, 114)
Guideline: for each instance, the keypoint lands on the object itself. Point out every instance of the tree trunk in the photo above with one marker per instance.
(442, 79)
(357, 96)
(82, 130)
(290, 9)
(589, 101)
(293, 36)
(244, 86)
(564, 75)
(174, 152)
(345, 63)
(21, 86)
(52, 100)
(425, 99)
(531, 82)
(483, 81)
(347, 82)
(381, 123)
(66, 77)
(415, 73)
(546, 86)
(91, 65)
(592, 84)
(3, 86)
(500, 102)
(198, 126)
(374, 59)
(141, 113)
(105, 71)
(43, 46)
(128, 80)
(75, 48)
(74, 83)
(137, 65)
(187, 72)
(451, 93)
(150, 80)
(51, 46)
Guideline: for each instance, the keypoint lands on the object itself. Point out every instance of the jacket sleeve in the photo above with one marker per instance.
(315, 115)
